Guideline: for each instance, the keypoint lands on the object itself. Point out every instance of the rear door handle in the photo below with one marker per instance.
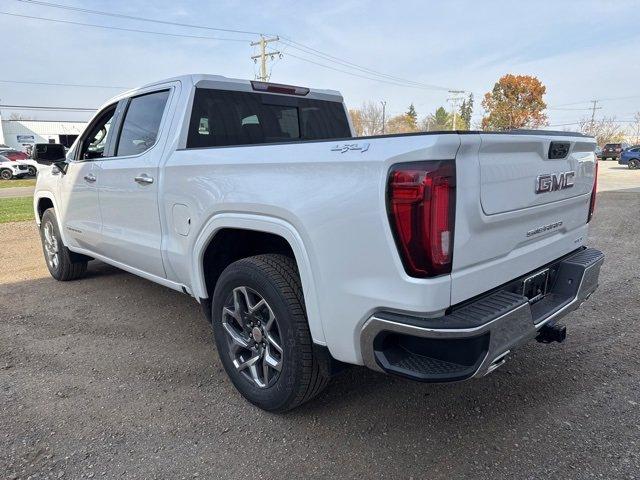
(144, 179)
(90, 178)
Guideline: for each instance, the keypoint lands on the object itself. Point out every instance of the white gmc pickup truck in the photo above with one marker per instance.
(430, 255)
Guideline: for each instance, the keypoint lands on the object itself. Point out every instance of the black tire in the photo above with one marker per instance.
(68, 266)
(32, 171)
(634, 164)
(274, 278)
(6, 174)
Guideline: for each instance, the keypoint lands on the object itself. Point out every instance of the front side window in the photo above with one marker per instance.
(223, 118)
(141, 123)
(95, 141)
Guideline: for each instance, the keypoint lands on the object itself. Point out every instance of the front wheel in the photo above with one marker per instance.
(32, 171)
(634, 164)
(60, 262)
(262, 335)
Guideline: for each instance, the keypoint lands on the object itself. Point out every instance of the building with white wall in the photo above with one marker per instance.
(20, 134)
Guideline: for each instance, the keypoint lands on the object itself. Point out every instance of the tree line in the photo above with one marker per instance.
(514, 102)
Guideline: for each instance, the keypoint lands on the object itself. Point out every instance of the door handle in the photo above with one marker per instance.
(90, 178)
(144, 179)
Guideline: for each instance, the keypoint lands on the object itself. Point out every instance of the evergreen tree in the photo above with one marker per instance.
(412, 117)
(466, 110)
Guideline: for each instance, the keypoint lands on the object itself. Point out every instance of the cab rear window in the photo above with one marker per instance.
(224, 118)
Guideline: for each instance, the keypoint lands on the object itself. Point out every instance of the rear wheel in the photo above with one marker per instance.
(262, 335)
(60, 261)
(634, 163)
(6, 174)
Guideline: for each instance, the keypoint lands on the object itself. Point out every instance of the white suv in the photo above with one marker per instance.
(12, 169)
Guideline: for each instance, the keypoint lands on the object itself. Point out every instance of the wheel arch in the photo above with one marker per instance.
(41, 202)
(259, 224)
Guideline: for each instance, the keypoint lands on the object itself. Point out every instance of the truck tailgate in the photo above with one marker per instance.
(518, 208)
(511, 164)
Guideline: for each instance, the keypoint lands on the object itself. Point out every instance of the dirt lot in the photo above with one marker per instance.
(115, 377)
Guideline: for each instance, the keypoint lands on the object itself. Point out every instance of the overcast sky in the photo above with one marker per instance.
(580, 50)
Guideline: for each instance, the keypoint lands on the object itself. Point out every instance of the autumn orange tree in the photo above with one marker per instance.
(515, 102)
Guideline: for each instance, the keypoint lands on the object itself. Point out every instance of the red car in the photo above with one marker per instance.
(14, 155)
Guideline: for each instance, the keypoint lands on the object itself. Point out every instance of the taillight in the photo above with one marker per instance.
(421, 200)
(592, 202)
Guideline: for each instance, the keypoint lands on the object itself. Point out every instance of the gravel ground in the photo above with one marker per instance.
(115, 377)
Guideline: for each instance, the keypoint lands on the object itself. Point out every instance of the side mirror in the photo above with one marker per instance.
(48, 153)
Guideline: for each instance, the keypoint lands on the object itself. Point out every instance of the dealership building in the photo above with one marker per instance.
(21, 134)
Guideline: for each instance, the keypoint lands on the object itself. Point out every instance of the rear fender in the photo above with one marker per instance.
(260, 223)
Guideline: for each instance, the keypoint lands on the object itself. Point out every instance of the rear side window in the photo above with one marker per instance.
(141, 123)
(221, 118)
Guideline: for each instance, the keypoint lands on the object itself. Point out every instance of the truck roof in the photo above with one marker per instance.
(225, 83)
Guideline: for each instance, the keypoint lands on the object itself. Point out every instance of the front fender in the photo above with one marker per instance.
(39, 195)
(267, 224)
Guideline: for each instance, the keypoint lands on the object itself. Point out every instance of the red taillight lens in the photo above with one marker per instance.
(592, 202)
(421, 200)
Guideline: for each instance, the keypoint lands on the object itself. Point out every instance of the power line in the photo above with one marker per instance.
(325, 56)
(21, 82)
(286, 40)
(589, 101)
(36, 107)
(132, 17)
(583, 122)
(355, 74)
(183, 35)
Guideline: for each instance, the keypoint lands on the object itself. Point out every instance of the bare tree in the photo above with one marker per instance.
(402, 124)
(367, 120)
(634, 129)
(606, 130)
(18, 116)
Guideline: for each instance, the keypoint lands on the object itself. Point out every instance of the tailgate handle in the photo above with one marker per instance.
(558, 150)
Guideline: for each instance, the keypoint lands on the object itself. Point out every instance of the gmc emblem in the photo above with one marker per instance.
(550, 182)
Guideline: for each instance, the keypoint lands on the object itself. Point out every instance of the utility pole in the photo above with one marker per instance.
(455, 102)
(384, 112)
(264, 55)
(593, 116)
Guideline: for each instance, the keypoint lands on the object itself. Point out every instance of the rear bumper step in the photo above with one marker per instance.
(474, 339)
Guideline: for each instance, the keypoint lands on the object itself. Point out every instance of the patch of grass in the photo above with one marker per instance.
(16, 209)
(23, 182)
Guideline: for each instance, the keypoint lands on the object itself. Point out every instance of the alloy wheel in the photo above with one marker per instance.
(51, 246)
(253, 336)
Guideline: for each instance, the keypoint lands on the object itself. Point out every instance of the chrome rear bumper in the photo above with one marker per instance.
(474, 339)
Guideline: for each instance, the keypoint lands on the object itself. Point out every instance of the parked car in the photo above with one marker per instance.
(17, 156)
(598, 152)
(9, 169)
(630, 157)
(12, 154)
(613, 150)
(309, 249)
